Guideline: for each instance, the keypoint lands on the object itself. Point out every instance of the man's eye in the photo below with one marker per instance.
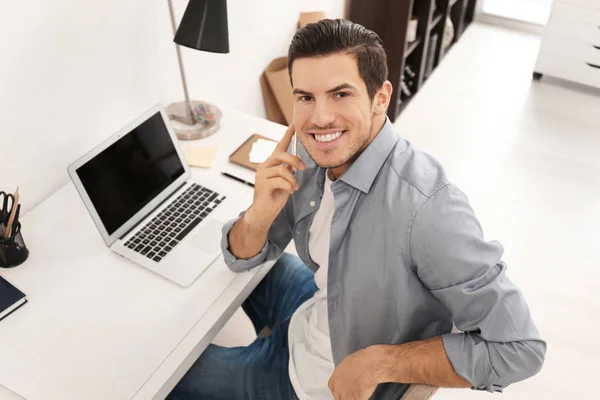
(305, 98)
(342, 94)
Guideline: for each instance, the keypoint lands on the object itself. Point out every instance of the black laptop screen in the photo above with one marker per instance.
(131, 172)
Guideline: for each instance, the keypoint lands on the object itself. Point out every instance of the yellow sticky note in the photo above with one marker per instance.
(201, 157)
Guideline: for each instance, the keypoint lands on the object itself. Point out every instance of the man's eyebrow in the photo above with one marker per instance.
(302, 92)
(341, 87)
(335, 89)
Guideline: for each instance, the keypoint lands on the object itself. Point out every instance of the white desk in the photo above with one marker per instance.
(100, 327)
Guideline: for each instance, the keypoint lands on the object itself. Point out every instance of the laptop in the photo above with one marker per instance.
(136, 186)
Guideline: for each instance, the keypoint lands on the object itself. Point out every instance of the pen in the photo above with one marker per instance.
(237, 179)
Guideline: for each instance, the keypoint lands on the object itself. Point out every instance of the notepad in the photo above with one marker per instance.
(11, 298)
(261, 150)
(241, 156)
(198, 156)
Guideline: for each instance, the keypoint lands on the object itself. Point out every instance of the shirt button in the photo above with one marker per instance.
(312, 203)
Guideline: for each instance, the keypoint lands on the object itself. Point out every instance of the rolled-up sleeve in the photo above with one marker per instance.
(500, 344)
(280, 235)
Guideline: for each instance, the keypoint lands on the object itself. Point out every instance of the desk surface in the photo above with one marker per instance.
(99, 327)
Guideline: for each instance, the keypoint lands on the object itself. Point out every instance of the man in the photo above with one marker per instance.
(398, 253)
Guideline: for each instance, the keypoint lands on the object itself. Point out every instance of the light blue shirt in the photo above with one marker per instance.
(407, 259)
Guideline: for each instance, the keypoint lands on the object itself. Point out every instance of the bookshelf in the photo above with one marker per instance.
(410, 64)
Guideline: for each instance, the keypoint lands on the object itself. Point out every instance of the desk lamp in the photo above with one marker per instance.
(203, 27)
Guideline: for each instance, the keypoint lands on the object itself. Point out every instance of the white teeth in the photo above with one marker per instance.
(328, 138)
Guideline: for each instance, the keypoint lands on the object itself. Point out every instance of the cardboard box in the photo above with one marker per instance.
(275, 81)
(277, 92)
(310, 18)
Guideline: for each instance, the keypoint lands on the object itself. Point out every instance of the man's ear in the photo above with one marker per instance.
(382, 98)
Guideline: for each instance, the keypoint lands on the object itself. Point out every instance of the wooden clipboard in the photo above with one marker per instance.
(241, 156)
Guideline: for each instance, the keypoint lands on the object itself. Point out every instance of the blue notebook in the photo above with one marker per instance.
(11, 298)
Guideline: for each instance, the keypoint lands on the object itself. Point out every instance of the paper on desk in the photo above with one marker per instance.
(261, 150)
(198, 156)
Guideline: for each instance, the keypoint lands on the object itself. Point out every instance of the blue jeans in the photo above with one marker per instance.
(259, 371)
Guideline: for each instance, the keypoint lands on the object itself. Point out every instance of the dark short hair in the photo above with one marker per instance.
(330, 36)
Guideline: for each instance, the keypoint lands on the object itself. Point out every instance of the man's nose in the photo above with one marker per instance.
(322, 115)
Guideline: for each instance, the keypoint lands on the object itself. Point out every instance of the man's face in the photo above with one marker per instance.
(333, 114)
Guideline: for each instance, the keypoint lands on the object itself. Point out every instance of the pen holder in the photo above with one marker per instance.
(12, 249)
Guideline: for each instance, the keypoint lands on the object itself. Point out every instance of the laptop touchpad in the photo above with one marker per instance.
(208, 239)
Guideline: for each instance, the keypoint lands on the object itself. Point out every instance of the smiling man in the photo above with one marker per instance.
(391, 255)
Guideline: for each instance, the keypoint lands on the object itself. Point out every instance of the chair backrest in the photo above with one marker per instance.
(419, 392)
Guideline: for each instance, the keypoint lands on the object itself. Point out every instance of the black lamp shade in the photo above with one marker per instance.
(204, 26)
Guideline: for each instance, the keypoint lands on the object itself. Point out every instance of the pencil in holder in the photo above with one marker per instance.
(13, 251)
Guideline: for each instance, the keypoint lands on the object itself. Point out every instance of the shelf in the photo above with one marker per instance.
(405, 102)
(436, 20)
(410, 47)
(390, 20)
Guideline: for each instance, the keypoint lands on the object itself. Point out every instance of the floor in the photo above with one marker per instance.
(528, 156)
(533, 11)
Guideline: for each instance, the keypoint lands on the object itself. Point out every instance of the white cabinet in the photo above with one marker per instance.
(583, 3)
(571, 45)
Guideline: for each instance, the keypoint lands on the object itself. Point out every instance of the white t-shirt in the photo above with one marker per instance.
(311, 358)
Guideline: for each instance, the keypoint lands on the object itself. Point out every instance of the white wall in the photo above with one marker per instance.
(72, 72)
(268, 27)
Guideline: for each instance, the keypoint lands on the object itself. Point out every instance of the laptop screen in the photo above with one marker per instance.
(131, 172)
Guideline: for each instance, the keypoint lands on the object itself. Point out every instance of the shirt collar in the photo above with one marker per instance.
(365, 168)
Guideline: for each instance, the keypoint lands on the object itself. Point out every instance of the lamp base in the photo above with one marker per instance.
(188, 128)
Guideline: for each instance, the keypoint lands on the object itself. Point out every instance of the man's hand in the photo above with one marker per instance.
(274, 182)
(424, 362)
(273, 185)
(357, 376)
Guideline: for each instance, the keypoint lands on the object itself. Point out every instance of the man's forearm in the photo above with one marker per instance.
(247, 237)
(422, 362)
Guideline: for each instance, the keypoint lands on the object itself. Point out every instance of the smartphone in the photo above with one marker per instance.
(294, 149)
(295, 144)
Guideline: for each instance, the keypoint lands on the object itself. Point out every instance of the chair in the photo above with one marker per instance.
(419, 392)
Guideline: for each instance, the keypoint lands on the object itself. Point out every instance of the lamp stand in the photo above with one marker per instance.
(186, 125)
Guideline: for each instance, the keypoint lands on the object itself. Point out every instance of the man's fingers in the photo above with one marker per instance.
(282, 172)
(285, 158)
(336, 394)
(281, 184)
(285, 141)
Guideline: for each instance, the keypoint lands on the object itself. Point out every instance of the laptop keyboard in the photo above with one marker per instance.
(163, 232)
